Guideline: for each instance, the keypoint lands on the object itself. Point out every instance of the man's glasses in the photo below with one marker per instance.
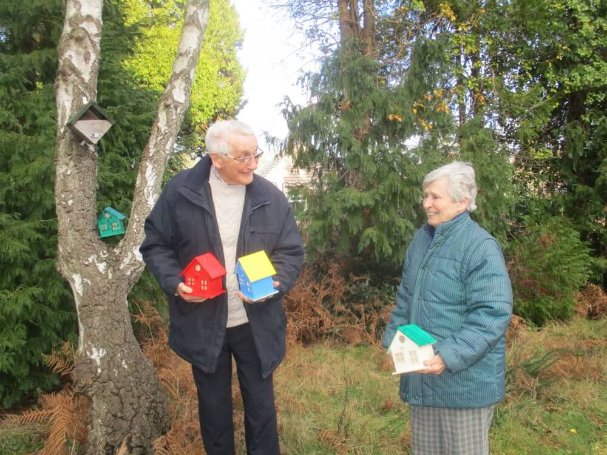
(247, 158)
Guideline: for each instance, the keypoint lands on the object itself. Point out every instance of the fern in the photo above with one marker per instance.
(63, 414)
(27, 417)
(62, 362)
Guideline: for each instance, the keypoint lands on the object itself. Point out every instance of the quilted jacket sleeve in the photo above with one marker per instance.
(488, 308)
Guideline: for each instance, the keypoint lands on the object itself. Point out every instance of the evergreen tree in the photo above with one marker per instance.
(381, 117)
(36, 309)
(552, 61)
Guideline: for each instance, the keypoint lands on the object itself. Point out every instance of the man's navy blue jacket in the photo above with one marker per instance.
(183, 225)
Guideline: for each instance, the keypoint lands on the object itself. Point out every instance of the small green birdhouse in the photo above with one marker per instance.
(90, 123)
(110, 222)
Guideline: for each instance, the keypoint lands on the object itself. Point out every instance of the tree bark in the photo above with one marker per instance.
(369, 28)
(349, 26)
(126, 399)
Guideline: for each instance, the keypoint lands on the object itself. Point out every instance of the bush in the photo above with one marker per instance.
(548, 264)
(330, 302)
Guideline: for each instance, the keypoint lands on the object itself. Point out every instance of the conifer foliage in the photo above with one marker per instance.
(381, 117)
(515, 87)
(36, 311)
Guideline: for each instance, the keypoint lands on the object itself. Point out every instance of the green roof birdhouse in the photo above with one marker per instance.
(110, 222)
(410, 347)
(90, 123)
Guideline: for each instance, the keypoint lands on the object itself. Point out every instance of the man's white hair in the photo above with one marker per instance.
(216, 139)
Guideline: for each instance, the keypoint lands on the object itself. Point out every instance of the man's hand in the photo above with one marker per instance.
(184, 292)
(434, 366)
(245, 299)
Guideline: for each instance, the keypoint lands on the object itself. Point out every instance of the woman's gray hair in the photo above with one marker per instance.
(461, 181)
(218, 133)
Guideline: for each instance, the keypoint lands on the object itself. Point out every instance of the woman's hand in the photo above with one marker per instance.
(434, 366)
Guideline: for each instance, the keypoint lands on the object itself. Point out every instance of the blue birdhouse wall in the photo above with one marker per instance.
(254, 273)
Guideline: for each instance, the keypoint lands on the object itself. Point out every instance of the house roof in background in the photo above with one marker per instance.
(280, 171)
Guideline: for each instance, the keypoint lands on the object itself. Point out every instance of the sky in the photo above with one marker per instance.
(272, 57)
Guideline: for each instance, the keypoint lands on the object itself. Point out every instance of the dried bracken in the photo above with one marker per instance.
(183, 438)
(320, 307)
(63, 414)
(591, 303)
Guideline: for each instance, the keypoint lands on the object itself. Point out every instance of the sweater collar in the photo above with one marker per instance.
(197, 179)
(214, 175)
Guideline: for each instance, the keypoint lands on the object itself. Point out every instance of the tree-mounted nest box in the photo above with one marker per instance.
(90, 123)
(110, 222)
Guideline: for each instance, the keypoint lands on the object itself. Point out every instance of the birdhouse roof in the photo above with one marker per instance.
(114, 212)
(257, 265)
(416, 334)
(93, 108)
(209, 263)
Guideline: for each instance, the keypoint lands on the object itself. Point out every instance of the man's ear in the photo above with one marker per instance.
(216, 160)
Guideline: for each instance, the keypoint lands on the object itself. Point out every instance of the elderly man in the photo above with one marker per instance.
(220, 206)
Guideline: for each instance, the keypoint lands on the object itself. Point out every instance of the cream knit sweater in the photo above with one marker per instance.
(228, 201)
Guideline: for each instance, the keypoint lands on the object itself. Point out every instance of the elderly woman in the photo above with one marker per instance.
(455, 286)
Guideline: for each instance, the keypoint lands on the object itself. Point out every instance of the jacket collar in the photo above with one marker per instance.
(445, 229)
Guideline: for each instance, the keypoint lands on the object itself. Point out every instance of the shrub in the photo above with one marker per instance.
(592, 302)
(548, 264)
(331, 302)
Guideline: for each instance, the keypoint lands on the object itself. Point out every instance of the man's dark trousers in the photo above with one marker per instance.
(215, 398)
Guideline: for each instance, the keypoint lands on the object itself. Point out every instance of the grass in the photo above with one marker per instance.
(556, 400)
(336, 399)
(22, 439)
(343, 400)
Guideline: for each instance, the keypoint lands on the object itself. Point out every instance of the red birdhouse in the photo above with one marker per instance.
(204, 274)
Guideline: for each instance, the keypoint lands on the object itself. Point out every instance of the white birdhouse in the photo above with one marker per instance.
(409, 348)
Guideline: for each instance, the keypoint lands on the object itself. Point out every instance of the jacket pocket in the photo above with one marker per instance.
(262, 239)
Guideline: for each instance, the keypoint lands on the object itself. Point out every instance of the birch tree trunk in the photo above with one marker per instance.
(126, 399)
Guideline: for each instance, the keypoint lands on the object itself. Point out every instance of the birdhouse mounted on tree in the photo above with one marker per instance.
(255, 272)
(90, 123)
(110, 222)
(204, 274)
